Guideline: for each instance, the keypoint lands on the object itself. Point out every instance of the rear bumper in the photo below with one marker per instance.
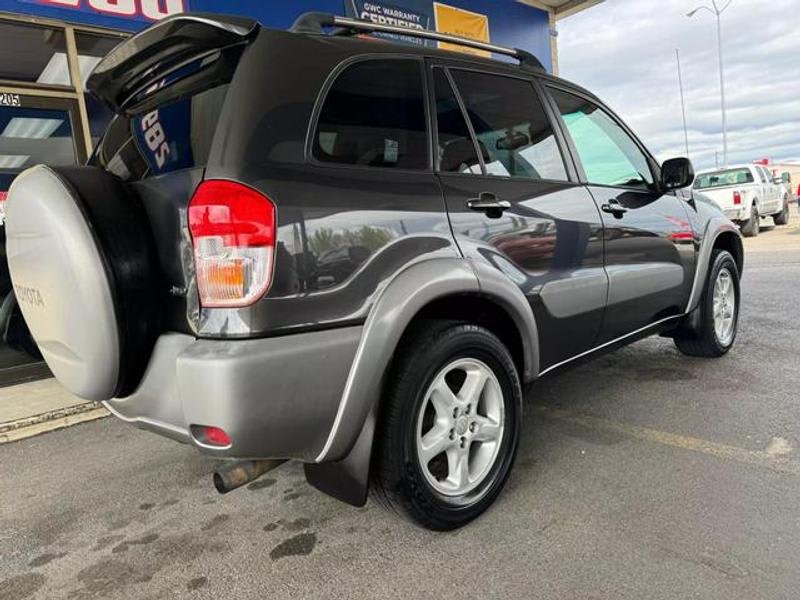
(275, 397)
(737, 214)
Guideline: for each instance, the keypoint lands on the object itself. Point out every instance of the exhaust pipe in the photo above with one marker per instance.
(234, 475)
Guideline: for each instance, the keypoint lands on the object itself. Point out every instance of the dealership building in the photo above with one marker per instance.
(48, 48)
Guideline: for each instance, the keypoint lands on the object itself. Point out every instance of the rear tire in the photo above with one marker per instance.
(449, 427)
(752, 226)
(714, 331)
(782, 218)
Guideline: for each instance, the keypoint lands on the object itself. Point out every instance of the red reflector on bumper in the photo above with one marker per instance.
(211, 436)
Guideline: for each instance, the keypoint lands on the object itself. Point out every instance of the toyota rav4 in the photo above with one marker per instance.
(313, 246)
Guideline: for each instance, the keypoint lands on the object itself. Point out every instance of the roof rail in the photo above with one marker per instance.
(317, 22)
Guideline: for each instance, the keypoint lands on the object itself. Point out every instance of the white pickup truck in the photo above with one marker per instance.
(746, 194)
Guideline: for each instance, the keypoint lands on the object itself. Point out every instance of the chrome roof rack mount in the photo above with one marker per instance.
(315, 23)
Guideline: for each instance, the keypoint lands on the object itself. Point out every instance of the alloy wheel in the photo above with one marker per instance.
(460, 427)
(724, 307)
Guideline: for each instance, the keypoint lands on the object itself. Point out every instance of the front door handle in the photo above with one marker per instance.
(614, 207)
(490, 204)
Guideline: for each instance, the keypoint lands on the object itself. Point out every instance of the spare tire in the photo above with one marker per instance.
(83, 266)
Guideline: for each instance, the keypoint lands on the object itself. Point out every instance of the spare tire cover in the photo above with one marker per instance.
(71, 280)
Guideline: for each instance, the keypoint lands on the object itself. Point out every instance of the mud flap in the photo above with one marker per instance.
(347, 479)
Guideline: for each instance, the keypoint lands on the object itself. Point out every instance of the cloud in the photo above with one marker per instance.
(624, 52)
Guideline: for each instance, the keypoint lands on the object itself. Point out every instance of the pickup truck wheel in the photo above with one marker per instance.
(718, 320)
(752, 226)
(449, 427)
(782, 218)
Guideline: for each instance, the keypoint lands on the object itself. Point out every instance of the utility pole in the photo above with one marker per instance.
(717, 12)
(683, 102)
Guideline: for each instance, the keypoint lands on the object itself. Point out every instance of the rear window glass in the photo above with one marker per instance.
(174, 136)
(374, 116)
(706, 181)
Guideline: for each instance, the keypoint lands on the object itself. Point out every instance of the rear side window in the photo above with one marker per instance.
(513, 131)
(374, 116)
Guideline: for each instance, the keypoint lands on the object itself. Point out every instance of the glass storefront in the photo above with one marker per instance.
(45, 117)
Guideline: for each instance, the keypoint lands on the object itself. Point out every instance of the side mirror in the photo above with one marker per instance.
(778, 180)
(677, 173)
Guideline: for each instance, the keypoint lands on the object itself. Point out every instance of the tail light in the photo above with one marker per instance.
(737, 198)
(233, 235)
(3, 196)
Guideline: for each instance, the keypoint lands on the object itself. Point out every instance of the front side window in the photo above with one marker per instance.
(374, 116)
(513, 131)
(608, 154)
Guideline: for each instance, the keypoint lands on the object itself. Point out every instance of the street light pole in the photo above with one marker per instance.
(717, 12)
(683, 103)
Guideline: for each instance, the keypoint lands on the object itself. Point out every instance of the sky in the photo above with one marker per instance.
(624, 52)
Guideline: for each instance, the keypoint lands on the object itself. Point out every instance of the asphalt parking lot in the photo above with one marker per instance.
(642, 474)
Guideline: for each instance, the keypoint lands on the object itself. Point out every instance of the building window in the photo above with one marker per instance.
(33, 54)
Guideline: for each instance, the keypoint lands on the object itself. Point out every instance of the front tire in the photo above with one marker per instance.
(717, 321)
(449, 427)
(752, 226)
(782, 218)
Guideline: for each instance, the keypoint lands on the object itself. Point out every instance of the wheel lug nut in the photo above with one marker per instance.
(452, 434)
(472, 427)
(463, 442)
(469, 407)
(455, 413)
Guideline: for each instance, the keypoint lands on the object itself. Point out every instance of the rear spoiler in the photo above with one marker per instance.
(124, 77)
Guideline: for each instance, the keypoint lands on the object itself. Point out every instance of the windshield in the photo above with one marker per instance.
(723, 178)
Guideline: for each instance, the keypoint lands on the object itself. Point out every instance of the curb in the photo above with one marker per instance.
(21, 429)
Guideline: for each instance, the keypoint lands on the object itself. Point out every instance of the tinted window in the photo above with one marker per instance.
(456, 148)
(608, 154)
(514, 134)
(374, 115)
(29, 136)
(176, 135)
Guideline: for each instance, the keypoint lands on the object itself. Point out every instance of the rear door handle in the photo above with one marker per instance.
(614, 207)
(490, 204)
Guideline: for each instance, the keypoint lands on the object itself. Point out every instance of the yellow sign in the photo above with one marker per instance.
(462, 23)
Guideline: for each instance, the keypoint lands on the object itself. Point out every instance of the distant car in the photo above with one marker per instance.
(746, 194)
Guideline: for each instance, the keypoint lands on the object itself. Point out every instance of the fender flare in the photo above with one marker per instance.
(342, 467)
(714, 228)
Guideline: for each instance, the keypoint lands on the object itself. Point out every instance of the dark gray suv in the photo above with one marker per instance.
(353, 253)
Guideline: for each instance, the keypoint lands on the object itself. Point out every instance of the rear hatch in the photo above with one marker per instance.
(167, 86)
